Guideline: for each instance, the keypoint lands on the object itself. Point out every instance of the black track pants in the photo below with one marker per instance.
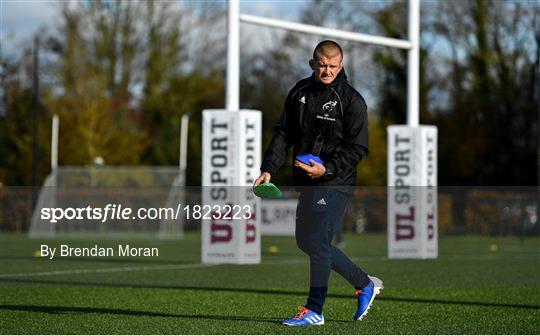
(318, 213)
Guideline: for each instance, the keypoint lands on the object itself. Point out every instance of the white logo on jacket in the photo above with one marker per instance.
(328, 106)
(325, 117)
(321, 201)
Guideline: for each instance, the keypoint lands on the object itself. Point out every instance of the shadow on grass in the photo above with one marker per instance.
(129, 312)
(265, 291)
(85, 310)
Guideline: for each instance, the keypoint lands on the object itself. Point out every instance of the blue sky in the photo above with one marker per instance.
(21, 19)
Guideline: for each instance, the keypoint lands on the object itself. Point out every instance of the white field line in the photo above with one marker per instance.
(106, 270)
(191, 266)
(134, 269)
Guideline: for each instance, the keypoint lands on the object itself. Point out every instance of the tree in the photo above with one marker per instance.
(489, 119)
(94, 103)
(16, 133)
(266, 91)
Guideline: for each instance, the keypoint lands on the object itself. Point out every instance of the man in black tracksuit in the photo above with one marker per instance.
(324, 116)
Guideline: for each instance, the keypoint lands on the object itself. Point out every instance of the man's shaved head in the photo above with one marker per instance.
(327, 61)
(327, 48)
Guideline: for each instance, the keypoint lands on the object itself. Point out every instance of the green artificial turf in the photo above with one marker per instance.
(472, 288)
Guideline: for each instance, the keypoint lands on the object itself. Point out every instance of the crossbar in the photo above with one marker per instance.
(316, 30)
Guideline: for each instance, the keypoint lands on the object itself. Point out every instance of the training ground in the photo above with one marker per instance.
(478, 285)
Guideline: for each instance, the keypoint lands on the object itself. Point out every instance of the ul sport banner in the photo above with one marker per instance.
(231, 160)
(412, 192)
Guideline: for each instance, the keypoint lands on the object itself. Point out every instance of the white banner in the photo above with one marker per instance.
(278, 217)
(412, 194)
(231, 158)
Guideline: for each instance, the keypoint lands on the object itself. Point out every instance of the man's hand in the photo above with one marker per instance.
(315, 171)
(264, 177)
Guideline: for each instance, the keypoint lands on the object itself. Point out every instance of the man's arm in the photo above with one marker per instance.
(263, 178)
(313, 171)
(276, 153)
(355, 139)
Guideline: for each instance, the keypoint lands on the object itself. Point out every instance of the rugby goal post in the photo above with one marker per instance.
(412, 148)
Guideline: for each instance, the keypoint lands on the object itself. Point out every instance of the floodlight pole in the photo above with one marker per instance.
(233, 57)
(413, 65)
(36, 106)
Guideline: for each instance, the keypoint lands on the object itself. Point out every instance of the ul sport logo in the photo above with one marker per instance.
(328, 106)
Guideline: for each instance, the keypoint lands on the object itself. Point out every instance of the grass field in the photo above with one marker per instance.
(470, 289)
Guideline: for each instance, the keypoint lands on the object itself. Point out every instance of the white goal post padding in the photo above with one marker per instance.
(231, 163)
(412, 192)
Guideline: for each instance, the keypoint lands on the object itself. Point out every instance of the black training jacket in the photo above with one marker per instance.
(337, 112)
